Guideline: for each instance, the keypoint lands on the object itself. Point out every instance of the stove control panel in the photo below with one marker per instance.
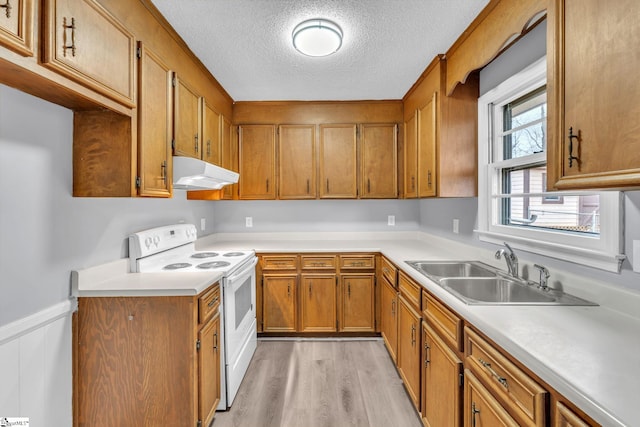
(155, 240)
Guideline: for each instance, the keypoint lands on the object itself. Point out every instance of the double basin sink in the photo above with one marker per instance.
(475, 283)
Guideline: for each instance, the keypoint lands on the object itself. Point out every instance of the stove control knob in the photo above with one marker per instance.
(156, 240)
(148, 242)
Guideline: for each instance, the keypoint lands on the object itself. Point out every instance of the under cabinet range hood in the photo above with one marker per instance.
(196, 174)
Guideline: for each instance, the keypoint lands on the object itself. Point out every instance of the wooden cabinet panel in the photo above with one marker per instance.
(410, 158)
(410, 290)
(592, 94)
(16, 26)
(318, 262)
(337, 164)
(86, 43)
(297, 162)
(480, 408)
(441, 385)
(379, 161)
(257, 152)
(155, 125)
(211, 134)
(409, 350)
(427, 137)
(565, 417)
(357, 262)
(209, 370)
(357, 307)
(389, 318)
(279, 295)
(318, 298)
(229, 154)
(279, 262)
(389, 271)
(186, 138)
(444, 321)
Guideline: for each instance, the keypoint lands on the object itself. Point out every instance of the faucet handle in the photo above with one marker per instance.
(544, 275)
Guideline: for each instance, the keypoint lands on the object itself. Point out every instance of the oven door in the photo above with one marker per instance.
(240, 327)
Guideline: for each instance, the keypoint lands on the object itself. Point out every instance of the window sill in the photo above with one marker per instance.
(611, 262)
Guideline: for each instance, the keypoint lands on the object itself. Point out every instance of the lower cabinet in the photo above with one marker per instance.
(279, 294)
(565, 417)
(389, 317)
(357, 303)
(318, 302)
(441, 382)
(147, 361)
(409, 354)
(481, 409)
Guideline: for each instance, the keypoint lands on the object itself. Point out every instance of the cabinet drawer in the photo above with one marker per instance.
(443, 320)
(279, 262)
(389, 271)
(409, 289)
(357, 262)
(520, 394)
(318, 262)
(208, 303)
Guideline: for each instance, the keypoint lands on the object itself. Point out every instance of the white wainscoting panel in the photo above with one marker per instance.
(36, 367)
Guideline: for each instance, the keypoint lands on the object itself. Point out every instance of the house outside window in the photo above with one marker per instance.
(514, 205)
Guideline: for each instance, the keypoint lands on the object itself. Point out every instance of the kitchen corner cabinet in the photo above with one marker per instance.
(297, 162)
(593, 108)
(144, 361)
(187, 120)
(357, 302)
(84, 42)
(257, 159)
(337, 162)
(378, 161)
(409, 346)
(155, 125)
(16, 26)
(440, 147)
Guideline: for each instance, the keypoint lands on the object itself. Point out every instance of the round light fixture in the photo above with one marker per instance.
(317, 37)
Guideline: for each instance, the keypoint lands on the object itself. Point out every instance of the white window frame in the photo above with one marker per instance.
(604, 252)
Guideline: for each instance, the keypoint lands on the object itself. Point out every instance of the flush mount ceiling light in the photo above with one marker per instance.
(317, 37)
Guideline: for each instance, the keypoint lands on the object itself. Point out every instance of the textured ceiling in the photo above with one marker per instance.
(246, 44)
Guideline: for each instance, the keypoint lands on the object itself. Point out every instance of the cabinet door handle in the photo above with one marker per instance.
(310, 284)
(426, 354)
(474, 411)
(208, 147)
(66, 27)
(413, 183)
(571, 156)
(429, 178)
(327, 185)
(349, 289)
(368, 185)
(163, 170)
(393, 308)
(308, 189)
(267, 185)
(215, 341)
(7, 8)
(501, 380)
(196, 143)
(413, 335)
(289, 290)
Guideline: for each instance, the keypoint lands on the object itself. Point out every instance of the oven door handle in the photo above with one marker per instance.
(247, 267)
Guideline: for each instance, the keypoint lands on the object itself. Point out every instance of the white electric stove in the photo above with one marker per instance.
(171, 250)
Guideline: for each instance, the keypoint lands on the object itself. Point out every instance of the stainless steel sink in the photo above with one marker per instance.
(439, 269)
(477, 283)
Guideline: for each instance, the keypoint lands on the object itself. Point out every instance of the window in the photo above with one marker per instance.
(514, 205)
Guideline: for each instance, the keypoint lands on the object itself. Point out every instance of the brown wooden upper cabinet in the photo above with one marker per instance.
(378, 161)
(229, 153)
(297, 162)
(155, 126)
(257, 158)
(337, 165)
(211, 134)
(84, 42)
(440, 146)
(187, 120)
(592, 55)
(16, 26)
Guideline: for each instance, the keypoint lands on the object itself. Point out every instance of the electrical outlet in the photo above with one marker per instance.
(456, 225)
(248, 222)
(203, 224)
(391, 220)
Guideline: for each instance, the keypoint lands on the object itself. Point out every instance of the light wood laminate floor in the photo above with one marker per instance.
(320, 384)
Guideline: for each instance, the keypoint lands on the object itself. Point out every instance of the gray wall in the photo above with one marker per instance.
(45, 232)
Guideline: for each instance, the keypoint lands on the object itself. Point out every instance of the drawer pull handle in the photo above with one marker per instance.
(501, 380)
(212, 302)
(72, 27)
(7, 8)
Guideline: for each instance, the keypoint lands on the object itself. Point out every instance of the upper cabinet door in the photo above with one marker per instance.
(257, 153)
(297, 157)
(211, 134)
(16, 26)
(594, 131)
(411, 157)
(338, 161)
(186, 120)
(229, 154)
(427, 148)
(84, 42)
(155, 125)
(378, 161)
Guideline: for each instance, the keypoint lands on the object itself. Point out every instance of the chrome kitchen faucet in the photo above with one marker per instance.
(511, 259)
